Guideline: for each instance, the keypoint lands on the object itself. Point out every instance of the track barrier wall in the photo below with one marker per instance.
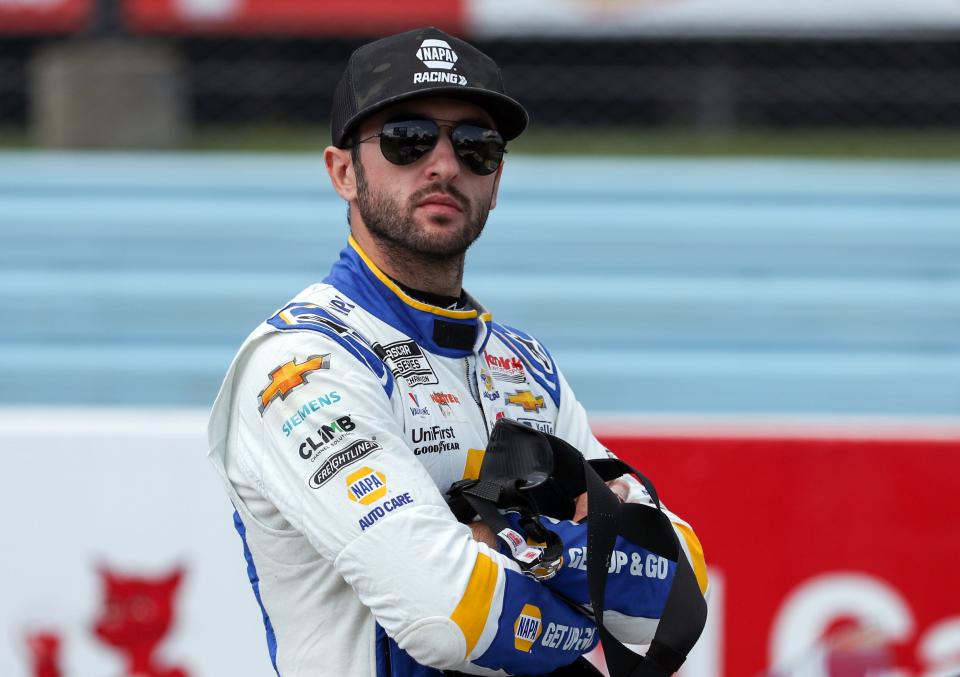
(821, 532)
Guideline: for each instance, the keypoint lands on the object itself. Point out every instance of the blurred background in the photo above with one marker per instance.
(736, 224)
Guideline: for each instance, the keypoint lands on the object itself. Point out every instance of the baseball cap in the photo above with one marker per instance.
(421, 62)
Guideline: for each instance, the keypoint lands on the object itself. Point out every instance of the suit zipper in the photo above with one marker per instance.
(470, 376)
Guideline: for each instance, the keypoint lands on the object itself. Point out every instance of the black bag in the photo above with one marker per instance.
(536, 474)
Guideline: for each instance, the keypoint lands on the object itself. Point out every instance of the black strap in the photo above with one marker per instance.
(544, 561)
(685, 612)
(536, 473)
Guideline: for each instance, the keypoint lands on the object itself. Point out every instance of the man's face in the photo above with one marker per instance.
(435, 207)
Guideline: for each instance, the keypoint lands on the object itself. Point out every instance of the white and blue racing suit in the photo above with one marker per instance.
(340, 423)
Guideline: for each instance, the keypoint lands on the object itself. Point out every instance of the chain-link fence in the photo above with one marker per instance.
(281, 79)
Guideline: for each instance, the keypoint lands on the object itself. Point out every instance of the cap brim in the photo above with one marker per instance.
(509, 116)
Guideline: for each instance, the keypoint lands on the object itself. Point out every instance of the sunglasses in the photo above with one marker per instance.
(403, 142)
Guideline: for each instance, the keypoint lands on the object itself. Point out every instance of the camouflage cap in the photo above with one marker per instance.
(421, 62)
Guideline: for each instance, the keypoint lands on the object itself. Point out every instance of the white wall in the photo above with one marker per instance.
(131, 489)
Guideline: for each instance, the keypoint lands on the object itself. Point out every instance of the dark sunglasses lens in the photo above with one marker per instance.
(481, 149)
(406, 141)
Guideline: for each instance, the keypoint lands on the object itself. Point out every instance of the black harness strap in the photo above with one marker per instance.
(685, 612)
(539, 474)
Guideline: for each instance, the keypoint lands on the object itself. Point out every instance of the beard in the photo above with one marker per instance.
(393, 223)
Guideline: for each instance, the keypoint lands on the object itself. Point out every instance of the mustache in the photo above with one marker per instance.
(441, 189)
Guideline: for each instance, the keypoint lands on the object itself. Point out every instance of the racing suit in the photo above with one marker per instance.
(340, 423)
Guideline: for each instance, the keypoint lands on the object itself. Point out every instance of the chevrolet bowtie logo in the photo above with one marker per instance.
(527, 400)
(288, 376)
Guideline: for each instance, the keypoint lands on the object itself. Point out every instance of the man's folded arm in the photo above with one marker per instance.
(331, 457)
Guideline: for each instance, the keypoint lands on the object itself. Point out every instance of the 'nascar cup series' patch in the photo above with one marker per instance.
(366, 485)
(527, 627)
(407, 361)
(342, 459)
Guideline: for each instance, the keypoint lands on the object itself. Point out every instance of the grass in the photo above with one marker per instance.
(857, 143)
(13, 139)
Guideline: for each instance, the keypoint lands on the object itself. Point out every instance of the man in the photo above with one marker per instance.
(347, 415)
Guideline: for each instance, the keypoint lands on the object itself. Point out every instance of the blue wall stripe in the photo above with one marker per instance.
(692, 286)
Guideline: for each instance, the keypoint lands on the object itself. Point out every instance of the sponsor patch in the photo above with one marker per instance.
(444, 402)
(506, 368)
(366, 485)
(341, 459)
(384, 509)
(416, 409)
(438, 76)
(332, 432)
(407, 361)
(433, 440)
(289, 376)
(568, 637)
(439, 57)
(527, 400)
(537, 424)
(527, 628)
(652, 566)
(309, 407)
(435, 53)
(518, 546)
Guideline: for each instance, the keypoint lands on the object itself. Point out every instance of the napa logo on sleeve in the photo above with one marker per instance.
(366, 485)
(527, 628)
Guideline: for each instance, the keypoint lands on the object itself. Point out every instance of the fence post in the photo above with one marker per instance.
(108, 89)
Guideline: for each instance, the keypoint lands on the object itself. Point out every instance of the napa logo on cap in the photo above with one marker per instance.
(366, 485)
(527, 627)
(439, 56)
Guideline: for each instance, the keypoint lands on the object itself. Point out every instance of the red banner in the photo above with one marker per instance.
(293, 17)
(816, 539)
(44, 16)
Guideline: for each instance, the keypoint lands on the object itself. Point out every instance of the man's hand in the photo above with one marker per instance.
(617, 486)
(483, 534)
